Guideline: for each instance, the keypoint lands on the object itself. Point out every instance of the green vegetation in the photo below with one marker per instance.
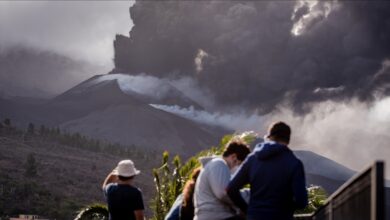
(24, 190)
(93, 212)
(31, 166)
(28, 196)
(317, 198)
(76, 140)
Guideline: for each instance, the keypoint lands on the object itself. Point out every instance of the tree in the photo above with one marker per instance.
(42, 130)
(7, 122)
(31, 128)
(31, 166)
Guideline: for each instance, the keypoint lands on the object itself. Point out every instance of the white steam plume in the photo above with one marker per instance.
(239, 121)
(352, 133)
(160, 87)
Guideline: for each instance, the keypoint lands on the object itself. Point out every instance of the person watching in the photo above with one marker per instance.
(123, 198)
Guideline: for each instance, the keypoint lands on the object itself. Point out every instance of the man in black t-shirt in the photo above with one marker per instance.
(124, 200)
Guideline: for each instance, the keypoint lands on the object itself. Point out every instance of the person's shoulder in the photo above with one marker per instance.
(110, 187)
(218, 161)
(295, 160)
(251, 157)
(134, 189)
(214, 161)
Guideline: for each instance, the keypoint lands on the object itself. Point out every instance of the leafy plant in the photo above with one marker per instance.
(93, 212)
(317, 197)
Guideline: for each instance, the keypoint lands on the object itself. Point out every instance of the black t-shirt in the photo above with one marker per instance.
(122, 201)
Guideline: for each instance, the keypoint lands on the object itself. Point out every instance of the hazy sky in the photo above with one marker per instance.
(83, 30)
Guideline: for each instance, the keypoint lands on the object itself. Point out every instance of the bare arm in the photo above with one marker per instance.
(139, 214)
(111, 178)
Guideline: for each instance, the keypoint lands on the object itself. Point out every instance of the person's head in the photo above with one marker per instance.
(126, 170)
(279, 132)
(235, 153)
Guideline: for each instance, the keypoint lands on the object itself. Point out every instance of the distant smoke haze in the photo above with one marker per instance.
(30, 72)
(82, 30)
(46, 47)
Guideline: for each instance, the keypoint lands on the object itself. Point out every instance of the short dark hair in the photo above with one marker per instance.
(280, 131)
(237, 147)
(125, 178)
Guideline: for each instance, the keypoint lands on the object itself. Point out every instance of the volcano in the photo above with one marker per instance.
(101, 109)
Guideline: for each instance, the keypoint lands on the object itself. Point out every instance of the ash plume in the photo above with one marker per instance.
(260, 53)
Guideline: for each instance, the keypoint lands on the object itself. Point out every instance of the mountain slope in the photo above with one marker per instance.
(67, 178)
(323, 166)
(100, 109)
(145, 126)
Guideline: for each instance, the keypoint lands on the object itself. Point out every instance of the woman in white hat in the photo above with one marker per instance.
(123, 199)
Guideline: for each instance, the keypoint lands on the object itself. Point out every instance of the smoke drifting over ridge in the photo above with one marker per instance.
(260, 53)
(352, 133)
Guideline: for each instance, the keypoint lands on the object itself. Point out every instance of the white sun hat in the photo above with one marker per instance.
(126, 168)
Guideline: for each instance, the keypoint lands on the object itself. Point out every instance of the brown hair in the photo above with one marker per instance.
(237, 147)
(125, 178)
(187, 207)
(279, 131)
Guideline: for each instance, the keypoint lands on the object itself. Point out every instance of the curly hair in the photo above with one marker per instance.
(187, 207)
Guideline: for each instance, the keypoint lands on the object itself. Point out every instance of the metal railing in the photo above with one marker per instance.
(360, 198)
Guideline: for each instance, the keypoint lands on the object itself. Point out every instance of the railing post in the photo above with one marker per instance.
(330, 210)
(377, 192)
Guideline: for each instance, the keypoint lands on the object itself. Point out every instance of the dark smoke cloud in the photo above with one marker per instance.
(260, 53)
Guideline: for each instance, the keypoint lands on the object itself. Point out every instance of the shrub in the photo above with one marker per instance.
(93, 212)
(317, 198)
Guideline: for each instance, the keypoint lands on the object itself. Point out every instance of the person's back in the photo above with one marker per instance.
(123, 200)
(277, 182)
(210, 200)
